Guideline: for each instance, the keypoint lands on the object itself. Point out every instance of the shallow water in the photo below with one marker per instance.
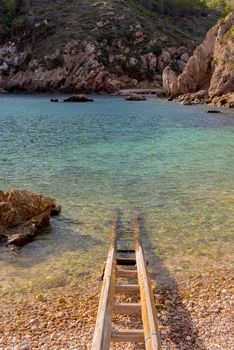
(173, 163)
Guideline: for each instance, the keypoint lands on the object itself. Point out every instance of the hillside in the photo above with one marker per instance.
(96, 45)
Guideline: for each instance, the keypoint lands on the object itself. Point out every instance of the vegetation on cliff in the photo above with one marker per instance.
(83, 45)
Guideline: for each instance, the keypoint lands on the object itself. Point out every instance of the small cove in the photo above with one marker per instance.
(173, 163)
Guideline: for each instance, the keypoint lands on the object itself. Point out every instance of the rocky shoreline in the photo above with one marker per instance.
(194, 314)
(208, 77)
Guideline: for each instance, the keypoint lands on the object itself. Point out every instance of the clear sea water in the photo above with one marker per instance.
(173, 163)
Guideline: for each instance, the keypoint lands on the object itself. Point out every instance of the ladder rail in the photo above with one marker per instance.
(149, 318)
(103, 327)
(104, 334)
(150, 325)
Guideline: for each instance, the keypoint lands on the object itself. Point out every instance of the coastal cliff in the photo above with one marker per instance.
(208, 76)
(96, 46)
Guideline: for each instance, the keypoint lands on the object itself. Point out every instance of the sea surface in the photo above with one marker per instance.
(172, 163)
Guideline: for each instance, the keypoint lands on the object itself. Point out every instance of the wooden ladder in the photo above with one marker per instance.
(128, 268)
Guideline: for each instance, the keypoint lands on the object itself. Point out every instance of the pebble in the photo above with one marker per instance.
(65, 319)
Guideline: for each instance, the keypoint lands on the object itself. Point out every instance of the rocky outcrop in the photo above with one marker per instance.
(211, 67)
(78, 98)
(23, 215)
(202, 97)
(170, 83)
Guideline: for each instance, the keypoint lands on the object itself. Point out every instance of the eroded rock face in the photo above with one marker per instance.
(23, 214)
(170, 83)
(83, 67)
(210, 68)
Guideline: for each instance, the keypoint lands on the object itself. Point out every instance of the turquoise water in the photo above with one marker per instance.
(173, 163)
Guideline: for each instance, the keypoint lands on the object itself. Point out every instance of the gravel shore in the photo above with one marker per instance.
(195, 315)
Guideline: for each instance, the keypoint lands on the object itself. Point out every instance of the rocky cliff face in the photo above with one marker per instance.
(77, 68)
(94, 46)
(209, 71)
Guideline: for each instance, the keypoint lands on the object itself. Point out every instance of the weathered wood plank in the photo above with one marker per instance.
(127, 308)
(127, 335)
(103, 328)
(151, 331)
(127, 289)
(126, 273)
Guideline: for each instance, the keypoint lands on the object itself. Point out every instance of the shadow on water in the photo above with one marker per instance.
(57, 239)
(179, 324)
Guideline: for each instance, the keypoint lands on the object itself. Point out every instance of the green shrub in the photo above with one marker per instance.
(156, 49)
(11, 7)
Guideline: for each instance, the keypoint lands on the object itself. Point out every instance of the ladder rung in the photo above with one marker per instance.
(126, 251)
(127, 288)
(127, 335)
(122, 261)
(127, 308)
(126, 273)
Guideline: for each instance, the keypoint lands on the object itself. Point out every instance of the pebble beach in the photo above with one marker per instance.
(197, 315)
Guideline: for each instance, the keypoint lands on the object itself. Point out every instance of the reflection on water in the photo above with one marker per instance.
(172, 163)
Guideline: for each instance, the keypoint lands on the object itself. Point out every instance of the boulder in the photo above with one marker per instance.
(213, 111)
(24, 214)
(26, 232)
(135, 97)
(54, 100)
(78, 98)
(170, 83)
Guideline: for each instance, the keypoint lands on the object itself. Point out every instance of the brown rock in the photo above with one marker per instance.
(21, 205)
(170, 83)
(210, 68)
(135, 97)
(78, 98)
(23, 215)
(29, 230)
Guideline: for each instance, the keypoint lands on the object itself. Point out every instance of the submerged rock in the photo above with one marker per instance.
(135, 97)
(78, 98)
(23, 215)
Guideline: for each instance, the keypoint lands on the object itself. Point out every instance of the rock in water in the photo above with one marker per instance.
(135, 97)
(23, 215)
(56, 210)
(213, 111)
(29, 230)
(78, 98)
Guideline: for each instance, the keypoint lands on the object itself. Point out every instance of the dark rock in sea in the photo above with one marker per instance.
(213, 111)
(54, 100)
(135, 97)
(56, 210)
(26, 232)
(78, 98)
